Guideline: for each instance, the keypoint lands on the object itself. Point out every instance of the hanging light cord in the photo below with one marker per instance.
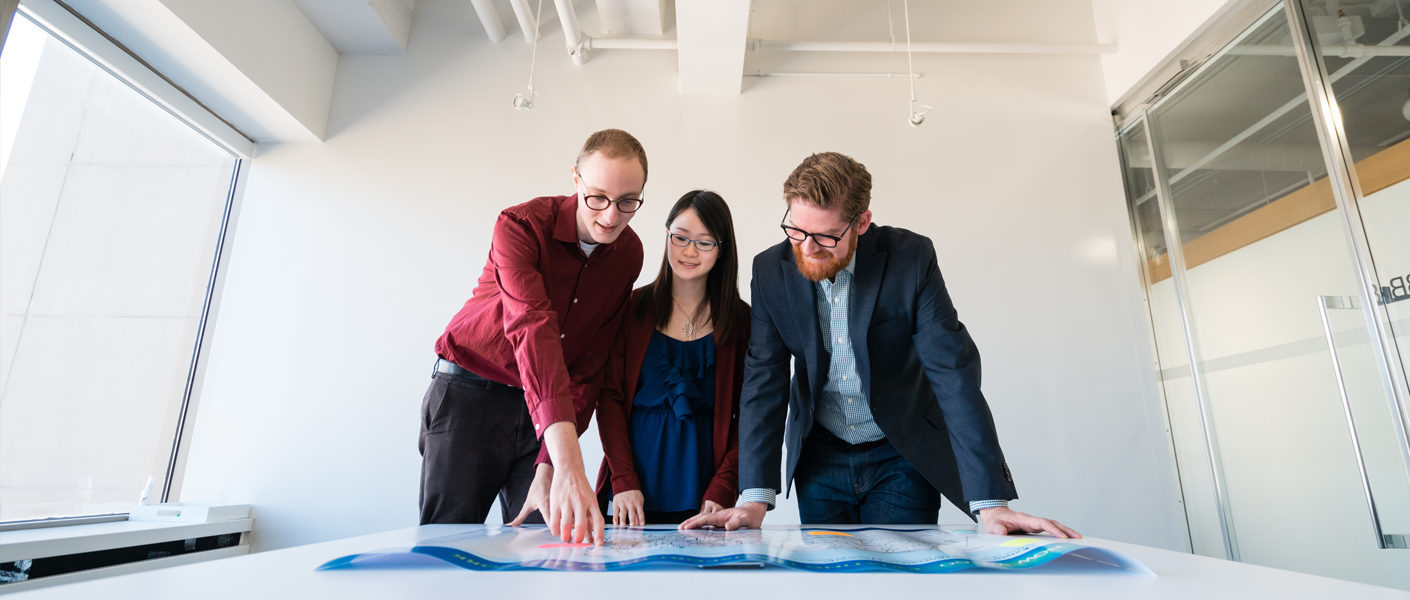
(534, 100)
(890, 26)
(915, 117)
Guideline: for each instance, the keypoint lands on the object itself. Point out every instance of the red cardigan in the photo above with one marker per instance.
(619, 383)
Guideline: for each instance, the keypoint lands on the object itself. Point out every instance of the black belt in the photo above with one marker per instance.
(459, 372)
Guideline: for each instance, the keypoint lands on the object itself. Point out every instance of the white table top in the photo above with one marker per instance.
(290, 573)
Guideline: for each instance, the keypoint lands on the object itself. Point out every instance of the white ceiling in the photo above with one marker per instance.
(361, 26)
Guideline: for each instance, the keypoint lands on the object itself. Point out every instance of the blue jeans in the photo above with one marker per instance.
(842, 484)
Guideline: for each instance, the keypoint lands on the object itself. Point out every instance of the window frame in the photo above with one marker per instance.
(66, 26)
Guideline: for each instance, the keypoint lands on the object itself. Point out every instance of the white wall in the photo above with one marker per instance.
(351, 255)
(1146, 32)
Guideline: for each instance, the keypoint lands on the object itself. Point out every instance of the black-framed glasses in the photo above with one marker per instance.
(701, 245)
(599, 202)
(821, 239)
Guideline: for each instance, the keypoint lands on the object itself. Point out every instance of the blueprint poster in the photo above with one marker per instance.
(912, 549)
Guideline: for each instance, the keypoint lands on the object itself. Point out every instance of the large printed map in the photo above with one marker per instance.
(915, 549)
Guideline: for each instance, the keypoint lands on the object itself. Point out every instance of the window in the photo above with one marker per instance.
(111, 216)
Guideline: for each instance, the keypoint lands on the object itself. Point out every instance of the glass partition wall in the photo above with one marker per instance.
(1270, 195)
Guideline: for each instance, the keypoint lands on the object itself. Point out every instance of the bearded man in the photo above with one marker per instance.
(883, 414)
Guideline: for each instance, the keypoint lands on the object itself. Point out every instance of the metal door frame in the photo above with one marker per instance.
(1346, 188)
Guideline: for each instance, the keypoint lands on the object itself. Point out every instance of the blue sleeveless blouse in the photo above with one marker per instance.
(672, 422)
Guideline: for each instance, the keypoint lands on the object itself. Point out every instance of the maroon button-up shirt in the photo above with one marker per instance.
(544, 314)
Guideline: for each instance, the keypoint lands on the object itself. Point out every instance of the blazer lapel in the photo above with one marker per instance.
(866, 287)
(803, 302)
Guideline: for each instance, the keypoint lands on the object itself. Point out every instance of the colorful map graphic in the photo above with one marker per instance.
(912, 549)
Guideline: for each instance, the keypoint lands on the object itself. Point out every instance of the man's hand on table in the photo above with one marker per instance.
(749, 515)
(1002, 521)
(572, 512)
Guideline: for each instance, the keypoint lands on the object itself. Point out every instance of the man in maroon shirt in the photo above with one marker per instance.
(516, 381)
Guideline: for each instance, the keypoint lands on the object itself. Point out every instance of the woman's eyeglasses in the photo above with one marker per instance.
(682, 241)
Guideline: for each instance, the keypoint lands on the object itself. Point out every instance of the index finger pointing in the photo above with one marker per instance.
(581, 525)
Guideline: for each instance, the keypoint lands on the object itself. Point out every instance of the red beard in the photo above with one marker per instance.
(818, 272)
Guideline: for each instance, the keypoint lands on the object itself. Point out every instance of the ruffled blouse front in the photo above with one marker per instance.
(672, 422)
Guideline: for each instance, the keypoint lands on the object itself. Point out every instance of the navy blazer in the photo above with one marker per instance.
(917, 362)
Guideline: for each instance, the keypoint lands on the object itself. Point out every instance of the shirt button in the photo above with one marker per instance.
(562, 335)
(839, 340)
(536, 426)
(844, 378)
(575, 301)
(836, 300)
(853, 427)
(849, 400)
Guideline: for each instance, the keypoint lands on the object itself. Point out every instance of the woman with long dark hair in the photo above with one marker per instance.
(668, 411)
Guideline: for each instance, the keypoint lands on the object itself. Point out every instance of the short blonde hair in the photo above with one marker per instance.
(829, 179)
(613, 143)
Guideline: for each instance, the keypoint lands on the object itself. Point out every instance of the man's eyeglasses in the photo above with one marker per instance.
(598, 202)
(701, 245)
(821, 239)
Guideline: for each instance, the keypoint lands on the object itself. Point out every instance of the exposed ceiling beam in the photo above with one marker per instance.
(525, 17)
(572, 34)
(366, 27)
(489, 17)
(711, 38)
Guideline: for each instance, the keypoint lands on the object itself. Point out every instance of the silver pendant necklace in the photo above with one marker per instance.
(689, 328)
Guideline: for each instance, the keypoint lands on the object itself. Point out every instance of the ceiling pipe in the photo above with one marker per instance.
(887, 75)
(526, 19)
(572, 34)
(943, 48)
(627, 44)
(489, 17)
(757, 44)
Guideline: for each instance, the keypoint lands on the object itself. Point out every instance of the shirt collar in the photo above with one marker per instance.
(566, 229)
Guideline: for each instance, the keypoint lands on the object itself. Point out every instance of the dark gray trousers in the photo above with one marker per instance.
(477, 441)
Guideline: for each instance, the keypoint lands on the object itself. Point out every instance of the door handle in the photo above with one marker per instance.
(1349, 302)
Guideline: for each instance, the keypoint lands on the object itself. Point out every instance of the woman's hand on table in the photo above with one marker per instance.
(537, 499)
(628, 509)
